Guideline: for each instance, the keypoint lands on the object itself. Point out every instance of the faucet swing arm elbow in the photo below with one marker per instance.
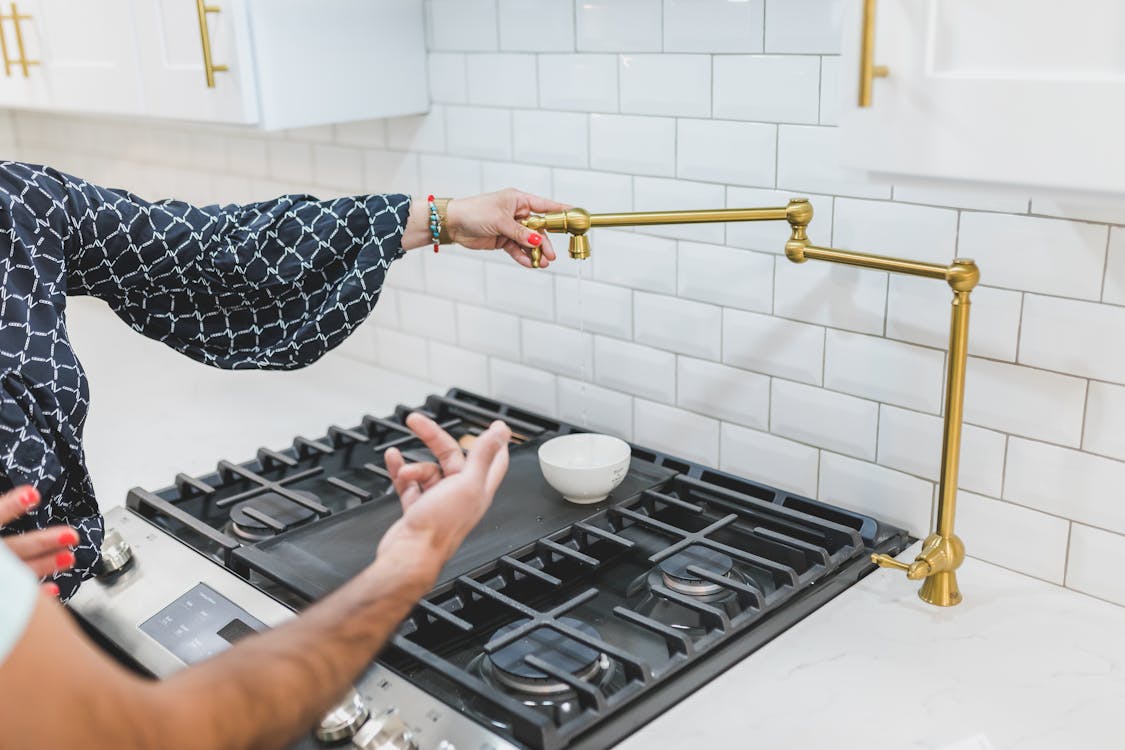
(942, 551)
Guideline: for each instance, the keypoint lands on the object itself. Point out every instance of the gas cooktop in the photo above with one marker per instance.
(556, 625)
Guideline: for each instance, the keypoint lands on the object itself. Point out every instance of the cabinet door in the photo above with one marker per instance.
(22, 85)
(171, 45)
(990, 91)
(89, 55)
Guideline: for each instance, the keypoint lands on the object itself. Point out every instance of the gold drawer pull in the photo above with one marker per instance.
(209, 67)
(868, 70)
(22, 61)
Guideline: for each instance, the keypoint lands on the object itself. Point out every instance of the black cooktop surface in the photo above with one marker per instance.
(556, 625)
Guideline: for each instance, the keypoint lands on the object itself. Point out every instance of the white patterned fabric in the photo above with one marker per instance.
(270, 285)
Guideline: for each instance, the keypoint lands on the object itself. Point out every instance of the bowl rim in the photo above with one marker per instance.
(622, 446)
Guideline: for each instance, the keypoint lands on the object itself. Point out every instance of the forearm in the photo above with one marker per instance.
(275, 686)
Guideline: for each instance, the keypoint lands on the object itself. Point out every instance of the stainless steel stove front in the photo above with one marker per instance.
(168, 606)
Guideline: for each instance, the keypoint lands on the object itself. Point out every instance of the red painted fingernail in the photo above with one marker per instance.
(64, 560)
(52, 588)
(68, 537)
(535, 239)
(29, 498)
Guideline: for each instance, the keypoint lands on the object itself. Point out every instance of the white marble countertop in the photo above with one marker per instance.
(1020, 664)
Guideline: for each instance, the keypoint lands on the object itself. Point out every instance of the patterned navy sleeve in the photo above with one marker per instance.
(271, 285)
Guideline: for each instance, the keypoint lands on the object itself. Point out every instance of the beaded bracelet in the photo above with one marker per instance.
(435, 223)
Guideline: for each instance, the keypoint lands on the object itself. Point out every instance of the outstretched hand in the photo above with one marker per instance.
(492, 221)
(46, 551)
(443, 501)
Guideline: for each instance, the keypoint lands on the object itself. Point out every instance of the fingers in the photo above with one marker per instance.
(521, 235)
(49, 541)
(425, 474)
(441, 443)
(488, 459)
(49, 564)
(519, 255)
(540, 205)
(17, 502)
(548, 249)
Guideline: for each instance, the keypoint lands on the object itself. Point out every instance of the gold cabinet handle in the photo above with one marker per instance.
(868, 70)
(22, 61)
(209, 67)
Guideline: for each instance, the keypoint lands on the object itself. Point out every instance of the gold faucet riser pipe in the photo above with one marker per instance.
(645, 218)
(877, 262)
(954, 407)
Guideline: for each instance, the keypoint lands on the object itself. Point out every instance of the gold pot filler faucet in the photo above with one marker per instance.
(942, 551)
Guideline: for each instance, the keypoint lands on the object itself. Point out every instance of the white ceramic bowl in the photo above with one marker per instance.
(584, 467)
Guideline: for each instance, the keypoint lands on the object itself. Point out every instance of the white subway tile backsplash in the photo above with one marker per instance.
(1083, 208)
(723, 392)
(889, 495)
(808, 159)
(1023, 401)
(513, 288)
(770, 236)
(556, 138)
(887, 371)
(918, 310)
(595, 408)
(977, 199)
(768, 88)
(536, 25)
(659, 193)
(488, 331)
(635, 260)
(1089, 569)
(680, 325)
(391, 171)
(628, 143)
(1065, 482)
(587, 83)
(402, 352)
(601, 308)
(1012, 251)
(910, 441)
(418, 132)
(290, 160)
(462, 24)
(455, 275)
(502, 80)
(713, 26)
(810, 26)
(364, 133)
(769, 459)
(600, 192)
(427, 316)
(988, 527)
(879, 227)
(246, 156)
(338, 167)
(1072, 336)
(1105, 415)
(479, 131)
(741, 153)
(636, 369)
(1114, 289)
(829, 90)
(726, 276)
(666, 85)
(524, 386)
(499, 175)
(449, 83)
(831, 295)
(774, 346)
(619, 25)
(676, 431)
(453, 366)
(449, 175)
(558, 348)
(844, 424)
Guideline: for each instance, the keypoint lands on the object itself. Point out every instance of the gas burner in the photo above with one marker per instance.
(675, 575)
(250, 519)
(508, 668)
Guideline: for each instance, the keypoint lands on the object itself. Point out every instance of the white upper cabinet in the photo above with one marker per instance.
(1028, 93)
(67, 55)
(273, 63)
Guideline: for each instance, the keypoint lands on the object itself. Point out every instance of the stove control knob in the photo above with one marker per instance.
(343, 721)
(116, 554)
(387, 731)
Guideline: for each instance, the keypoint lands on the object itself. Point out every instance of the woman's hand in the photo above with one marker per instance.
(442, 502)
(488, 222)
(47, 551)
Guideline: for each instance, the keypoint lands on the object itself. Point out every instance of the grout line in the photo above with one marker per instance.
(1066, 555)
(1105, 265)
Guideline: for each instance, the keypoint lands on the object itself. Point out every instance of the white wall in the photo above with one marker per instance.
(704, 341)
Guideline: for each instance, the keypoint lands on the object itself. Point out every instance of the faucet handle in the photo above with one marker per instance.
(915, 571)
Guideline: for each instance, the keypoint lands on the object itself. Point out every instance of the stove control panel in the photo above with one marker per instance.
(167, 606)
